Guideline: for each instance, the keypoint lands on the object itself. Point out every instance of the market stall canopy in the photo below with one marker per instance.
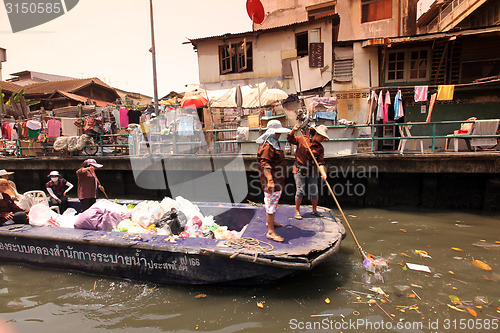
(253, 96)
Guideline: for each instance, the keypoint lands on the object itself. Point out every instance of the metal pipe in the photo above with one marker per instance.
(153, 52)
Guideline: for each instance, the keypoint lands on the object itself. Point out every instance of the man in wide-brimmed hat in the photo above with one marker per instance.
(272, 170)
(12, 191)
(305, 171)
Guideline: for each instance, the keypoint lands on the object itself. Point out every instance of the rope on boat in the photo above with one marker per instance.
(248, 244)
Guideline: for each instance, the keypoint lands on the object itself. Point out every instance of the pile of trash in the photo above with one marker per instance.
(178, 217)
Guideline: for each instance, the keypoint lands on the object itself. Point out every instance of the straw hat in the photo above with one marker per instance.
(4, 172)
(321, 130)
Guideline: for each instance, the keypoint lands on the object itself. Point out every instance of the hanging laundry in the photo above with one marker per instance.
(13, 132)
(90, 123)
(372, 102)
(34, 125)
(380, 107)
(123, 117)
(116, 115)
(6, 131)
(68, 127)
(134, 116)
(398, 106)
(25, 129)
(387, 102)
(421, 93)
(431, 106)
(445, 92)
(54, 127)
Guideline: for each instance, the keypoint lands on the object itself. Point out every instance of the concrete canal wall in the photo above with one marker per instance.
(443, 180)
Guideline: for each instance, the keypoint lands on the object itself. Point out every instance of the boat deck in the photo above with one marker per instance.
(301, 236)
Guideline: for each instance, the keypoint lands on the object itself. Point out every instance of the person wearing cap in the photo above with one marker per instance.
(10, 213)
(88, 183)
(305, 171)
(12, 191)
(272, 171)
(57, 188)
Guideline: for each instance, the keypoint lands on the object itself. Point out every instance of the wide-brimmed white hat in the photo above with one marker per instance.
(54, 173)
(92, 162)
(276, 127)
(321, 130)
(4, 172)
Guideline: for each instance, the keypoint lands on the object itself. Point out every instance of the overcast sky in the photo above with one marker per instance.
(110, 39)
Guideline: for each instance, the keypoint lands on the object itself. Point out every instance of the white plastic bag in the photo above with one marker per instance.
(147, 212)
(68, 218)
(168, 203)
(188, 208)
(40, 214)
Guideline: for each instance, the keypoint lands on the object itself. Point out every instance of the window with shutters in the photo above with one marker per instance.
(236, 58)
(343, 64)
(374, 10)
(408, 65)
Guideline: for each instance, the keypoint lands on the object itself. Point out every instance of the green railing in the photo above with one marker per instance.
(369, 133)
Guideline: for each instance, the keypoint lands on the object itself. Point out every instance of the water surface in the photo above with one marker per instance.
(333, 294)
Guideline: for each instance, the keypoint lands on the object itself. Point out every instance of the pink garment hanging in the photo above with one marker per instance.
(54, 128)
(421, 93)
(123, 117)
(6, 131)
(431, 106)
(387, 102)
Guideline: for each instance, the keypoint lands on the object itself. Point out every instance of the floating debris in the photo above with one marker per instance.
(481, 265)
(417, 267)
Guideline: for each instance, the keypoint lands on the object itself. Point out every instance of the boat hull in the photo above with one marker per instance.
(161, 259)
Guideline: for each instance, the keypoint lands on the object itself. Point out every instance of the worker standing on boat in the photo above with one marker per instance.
(272, 170)
(305, 172)
(88, 183)
(57, 188)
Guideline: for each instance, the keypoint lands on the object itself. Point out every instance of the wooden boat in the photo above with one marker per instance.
(170, 260)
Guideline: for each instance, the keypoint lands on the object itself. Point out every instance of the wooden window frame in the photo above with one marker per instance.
(235, 58)
(407, 62)
(225, 58)
(375, 10)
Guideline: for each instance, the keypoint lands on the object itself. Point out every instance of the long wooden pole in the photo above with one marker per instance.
(334, 198)
(99, 183)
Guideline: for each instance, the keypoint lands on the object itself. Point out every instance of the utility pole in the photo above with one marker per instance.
(153, 52)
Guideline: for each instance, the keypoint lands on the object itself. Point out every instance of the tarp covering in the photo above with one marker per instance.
(253, 96)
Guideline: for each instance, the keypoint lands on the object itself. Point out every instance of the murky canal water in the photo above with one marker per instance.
(333, 297)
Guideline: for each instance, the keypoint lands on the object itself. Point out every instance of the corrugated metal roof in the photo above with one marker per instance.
(10, 87)
(429, 37)
(65, 85)
(82, 99)
(335, 18)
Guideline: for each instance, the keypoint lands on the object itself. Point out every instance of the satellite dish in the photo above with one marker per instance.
(255, 10)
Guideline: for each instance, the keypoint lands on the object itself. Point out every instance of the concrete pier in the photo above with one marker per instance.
(438, 180)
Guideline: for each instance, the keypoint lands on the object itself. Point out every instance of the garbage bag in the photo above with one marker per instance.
(96, 218)
(172, 219)
(40, 214)
(68, 218)
(147, 212)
